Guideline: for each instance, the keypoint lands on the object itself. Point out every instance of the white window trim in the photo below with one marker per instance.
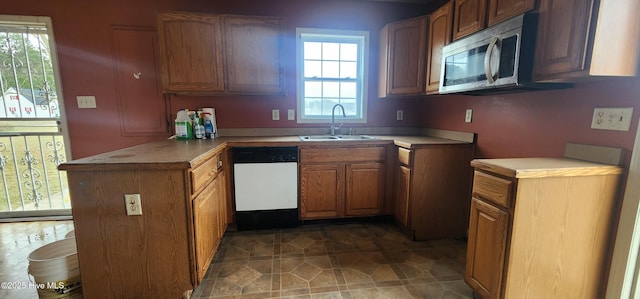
(299, 74)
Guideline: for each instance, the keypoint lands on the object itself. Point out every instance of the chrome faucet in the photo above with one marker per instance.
(333, 118)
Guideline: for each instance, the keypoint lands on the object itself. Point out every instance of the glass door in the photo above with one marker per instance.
(33, 134)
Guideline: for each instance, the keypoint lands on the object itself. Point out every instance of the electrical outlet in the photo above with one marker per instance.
(617, 119)
(86, 102)
(291, 114)
(275, 114)
(399, 115)
(468, 115)
(133, 204)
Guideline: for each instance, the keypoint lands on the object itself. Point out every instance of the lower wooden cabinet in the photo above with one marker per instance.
(163, 253)
(487, 245)
(540, 227)
(433, 186)
(209, 223)
(340, 182)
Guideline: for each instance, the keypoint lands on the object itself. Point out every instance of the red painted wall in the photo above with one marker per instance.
(537, 123)
(86, 59)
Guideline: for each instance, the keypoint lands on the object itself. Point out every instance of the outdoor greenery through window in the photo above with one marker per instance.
(32, 141)
(331, 70)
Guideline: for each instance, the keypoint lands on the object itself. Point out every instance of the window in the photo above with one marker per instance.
(332, 69)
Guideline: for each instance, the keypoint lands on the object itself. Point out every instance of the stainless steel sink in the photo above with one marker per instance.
(335, 137)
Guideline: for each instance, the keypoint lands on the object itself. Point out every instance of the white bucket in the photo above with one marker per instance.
(55, 270)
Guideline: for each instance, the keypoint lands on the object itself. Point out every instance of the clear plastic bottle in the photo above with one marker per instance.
(184, 131)
(199, 132)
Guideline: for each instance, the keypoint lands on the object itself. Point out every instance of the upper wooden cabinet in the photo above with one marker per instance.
(500, 10)
(191, 52)
(402, 57)
(439, 35)
(252, 47)
(219, 54)
(576, 38)
(471, 16)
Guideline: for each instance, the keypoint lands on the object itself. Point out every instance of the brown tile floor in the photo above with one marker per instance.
(363, 260)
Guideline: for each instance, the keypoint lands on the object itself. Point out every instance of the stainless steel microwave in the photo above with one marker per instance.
(498, 59)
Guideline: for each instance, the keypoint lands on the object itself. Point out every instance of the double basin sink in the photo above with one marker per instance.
(336, 137)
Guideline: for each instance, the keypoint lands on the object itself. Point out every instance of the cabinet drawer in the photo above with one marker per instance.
(342, 154)
(203, 174)
(404, 156)
(492, 188)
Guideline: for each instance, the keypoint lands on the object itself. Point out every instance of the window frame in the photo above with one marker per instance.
(362, 82)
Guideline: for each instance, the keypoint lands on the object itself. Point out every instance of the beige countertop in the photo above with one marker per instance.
(544, 167)
(182, 154)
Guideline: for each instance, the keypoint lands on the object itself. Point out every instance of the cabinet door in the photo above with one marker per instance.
(561, 45)
(403, 185)
(365, 189)
(253, 55)
(407, 48)
(486, 248)
(138, 82)
(439, 36)
(468, 17)
(500, 10)
(321, 191)
(191, 52)
(221, 205)
(205, 226)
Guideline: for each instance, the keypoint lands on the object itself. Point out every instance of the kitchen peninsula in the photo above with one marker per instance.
(186, 206)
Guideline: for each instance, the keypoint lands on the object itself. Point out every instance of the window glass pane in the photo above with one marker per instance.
(348, 90)
(331, 89)
(348, 70)
(330, 51)
(312, 89)
(327, 106)
(350, 107)
(312, 69)
(330, 69)
(312, 106)
(349, 52)
(312, 50)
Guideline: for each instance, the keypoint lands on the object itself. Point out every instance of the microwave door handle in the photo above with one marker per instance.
(487, 60)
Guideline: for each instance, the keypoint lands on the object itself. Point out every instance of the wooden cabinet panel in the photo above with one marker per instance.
(342, 154)
(206, 225)
(469, 17)
(493, 189)
(321, 191)
(203, 174)
(439, 35)
(138, 82)
(563, 32)
(486, 251)
(500, 10)
(191, 52)
(403, 185)
(365, 189)
(253, 54)
(221, 205)
(405, 57)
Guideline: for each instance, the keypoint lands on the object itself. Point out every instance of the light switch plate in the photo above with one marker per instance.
(291, 114)
(468, 115)
(616, 119)
(85, 102)
(275, 114)
(399, 115)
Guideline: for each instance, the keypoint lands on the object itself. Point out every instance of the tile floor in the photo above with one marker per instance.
(17, 241)
(349, 260)
(353, 260)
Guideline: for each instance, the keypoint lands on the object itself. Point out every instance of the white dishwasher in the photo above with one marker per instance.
(265, 187)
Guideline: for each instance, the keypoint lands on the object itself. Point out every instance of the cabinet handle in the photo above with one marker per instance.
(487, 60)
